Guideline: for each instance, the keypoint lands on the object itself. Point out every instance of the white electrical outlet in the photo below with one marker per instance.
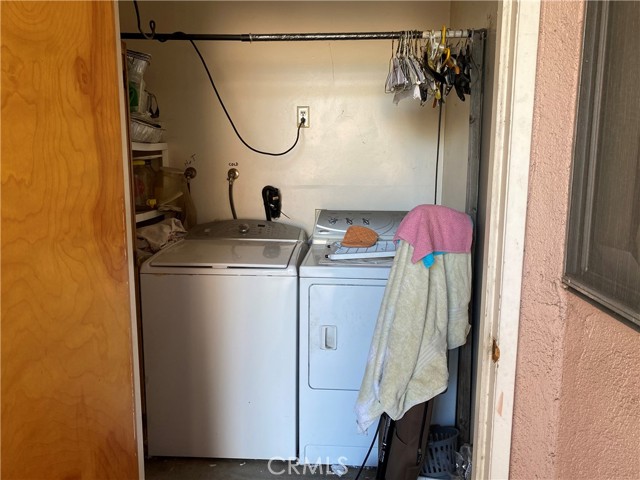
(303, 113)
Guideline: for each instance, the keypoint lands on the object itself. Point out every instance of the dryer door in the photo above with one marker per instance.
(341, 323)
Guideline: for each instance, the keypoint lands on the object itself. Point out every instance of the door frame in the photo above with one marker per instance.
(511, 128)
(509, 158)
(129, 215)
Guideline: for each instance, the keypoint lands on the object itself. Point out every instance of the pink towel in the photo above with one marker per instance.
(434, 228)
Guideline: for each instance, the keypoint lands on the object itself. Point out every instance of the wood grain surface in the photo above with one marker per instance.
(67, 387)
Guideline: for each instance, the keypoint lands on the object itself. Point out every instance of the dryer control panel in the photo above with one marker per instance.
(331, 225)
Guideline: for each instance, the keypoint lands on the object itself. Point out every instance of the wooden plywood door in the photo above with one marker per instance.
(68, 407)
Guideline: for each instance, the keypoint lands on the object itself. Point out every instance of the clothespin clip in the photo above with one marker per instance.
(443, 41)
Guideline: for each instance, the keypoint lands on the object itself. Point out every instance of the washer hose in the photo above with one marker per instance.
(232, 174)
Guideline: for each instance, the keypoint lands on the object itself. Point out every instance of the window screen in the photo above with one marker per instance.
(603, 242)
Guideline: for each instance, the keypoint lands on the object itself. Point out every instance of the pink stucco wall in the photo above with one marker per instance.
(577, 398)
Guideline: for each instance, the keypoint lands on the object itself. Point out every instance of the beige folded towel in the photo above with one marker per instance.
(424, 312)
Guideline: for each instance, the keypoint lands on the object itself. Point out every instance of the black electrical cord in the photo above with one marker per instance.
(364, 462)
(152, 25)
(435, 195)
(204, 64)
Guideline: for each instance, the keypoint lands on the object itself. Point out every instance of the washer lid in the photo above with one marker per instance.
(226, 254)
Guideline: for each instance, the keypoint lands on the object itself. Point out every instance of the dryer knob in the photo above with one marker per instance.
(244, 227)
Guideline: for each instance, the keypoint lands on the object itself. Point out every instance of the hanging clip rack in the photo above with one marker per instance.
(294, 37)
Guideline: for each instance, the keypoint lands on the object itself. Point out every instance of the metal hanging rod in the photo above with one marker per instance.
(295, 37)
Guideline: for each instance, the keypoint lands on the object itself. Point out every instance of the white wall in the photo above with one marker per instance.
(361, 151)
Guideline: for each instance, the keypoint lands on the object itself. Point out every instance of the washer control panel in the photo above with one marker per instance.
(243, 229)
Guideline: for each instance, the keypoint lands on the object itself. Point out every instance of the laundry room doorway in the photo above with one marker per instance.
(505, 142)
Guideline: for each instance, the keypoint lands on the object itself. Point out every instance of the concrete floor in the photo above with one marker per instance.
(170, 468)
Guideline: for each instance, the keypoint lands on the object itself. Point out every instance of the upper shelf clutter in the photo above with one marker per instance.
(143, 105)
(148, 147)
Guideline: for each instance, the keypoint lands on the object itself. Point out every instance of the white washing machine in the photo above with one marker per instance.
(219, 327)
(339, 304)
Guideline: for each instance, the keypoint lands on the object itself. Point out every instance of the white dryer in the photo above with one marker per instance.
(339, 304)
(219, 324)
